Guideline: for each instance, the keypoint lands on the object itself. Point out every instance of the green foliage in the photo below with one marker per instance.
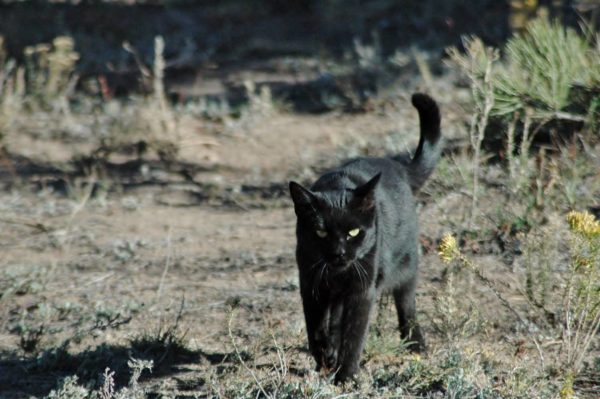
(543, 67)
(548, 73)
(548, 79)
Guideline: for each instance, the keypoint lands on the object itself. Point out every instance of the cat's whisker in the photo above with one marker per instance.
(364, 262)
(363, 278)
(319, 278)
(356, 268)
(364, 272)
(310, 269)
(316, 263)
(353, 265)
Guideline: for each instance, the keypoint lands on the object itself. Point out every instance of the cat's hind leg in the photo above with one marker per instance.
(409, 328)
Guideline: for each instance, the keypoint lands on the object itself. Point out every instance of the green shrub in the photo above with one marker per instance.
(545, 69)
(548, 79)
(547, 73)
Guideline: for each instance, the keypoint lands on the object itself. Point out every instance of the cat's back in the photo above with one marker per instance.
(360, 170)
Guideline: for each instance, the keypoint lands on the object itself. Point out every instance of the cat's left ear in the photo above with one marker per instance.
(303, 199)
(364, 196)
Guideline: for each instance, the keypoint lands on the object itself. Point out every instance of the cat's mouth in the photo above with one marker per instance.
(339, 265)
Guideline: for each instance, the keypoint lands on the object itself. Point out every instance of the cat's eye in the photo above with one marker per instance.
(353, 232)
(321, 233)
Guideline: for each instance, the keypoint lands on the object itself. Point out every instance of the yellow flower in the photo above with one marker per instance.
(415, 357)
(566, 391)
(583, 223)
(448, 248)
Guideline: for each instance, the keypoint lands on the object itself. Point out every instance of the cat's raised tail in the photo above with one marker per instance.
(428, 152)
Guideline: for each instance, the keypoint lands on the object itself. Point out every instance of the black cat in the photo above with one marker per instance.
(357, 233)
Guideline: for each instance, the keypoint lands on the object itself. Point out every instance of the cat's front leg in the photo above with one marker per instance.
(356, 315)
(316, 314)
(334, 338)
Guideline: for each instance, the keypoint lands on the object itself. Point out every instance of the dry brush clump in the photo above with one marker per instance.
(582, 292)
(45, 99)
(39, 99)
(50, 73)
(39, 92)
(477, 64)
(571, 311)
(70, 387)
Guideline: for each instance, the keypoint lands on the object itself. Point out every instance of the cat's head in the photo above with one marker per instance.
(338, 225)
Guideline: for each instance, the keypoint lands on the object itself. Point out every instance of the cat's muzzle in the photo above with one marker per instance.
(339, 262)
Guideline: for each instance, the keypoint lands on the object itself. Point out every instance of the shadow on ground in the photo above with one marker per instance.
(38, 375)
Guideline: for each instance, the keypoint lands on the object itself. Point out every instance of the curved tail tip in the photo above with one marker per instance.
(429, 113)
(423, 101)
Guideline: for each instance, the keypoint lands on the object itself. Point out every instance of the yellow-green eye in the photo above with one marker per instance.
(354, 232)
(322, 233)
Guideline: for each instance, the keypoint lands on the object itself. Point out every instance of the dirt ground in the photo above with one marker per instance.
(94, 277)
(148, 253)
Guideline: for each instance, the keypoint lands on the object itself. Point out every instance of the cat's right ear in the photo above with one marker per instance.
(364, 196)
(303, 199)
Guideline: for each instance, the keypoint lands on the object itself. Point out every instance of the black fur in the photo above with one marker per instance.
(342, 271)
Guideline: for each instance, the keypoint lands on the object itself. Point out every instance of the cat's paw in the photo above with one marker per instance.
(346, 375)
(417, 348)
(418, 344)
(331, 357)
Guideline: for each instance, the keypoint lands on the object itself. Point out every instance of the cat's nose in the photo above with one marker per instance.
(339, 252)
(338, 256)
